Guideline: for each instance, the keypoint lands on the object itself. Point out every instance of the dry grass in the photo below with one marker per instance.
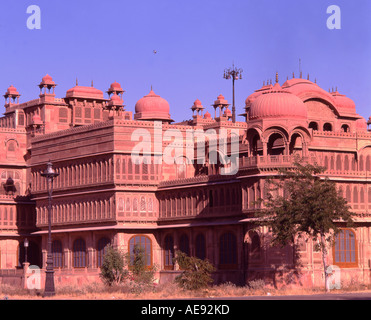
(130, 291)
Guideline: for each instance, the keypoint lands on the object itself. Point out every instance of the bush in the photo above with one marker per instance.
(113, 268)
(196, 274)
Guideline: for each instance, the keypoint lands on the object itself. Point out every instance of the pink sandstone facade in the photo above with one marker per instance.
(102, 196)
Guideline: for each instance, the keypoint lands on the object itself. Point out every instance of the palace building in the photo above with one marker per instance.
(103, 195)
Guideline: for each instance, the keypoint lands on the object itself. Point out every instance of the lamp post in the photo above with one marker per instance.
(25, 244)
(235, 74)
(49, 291)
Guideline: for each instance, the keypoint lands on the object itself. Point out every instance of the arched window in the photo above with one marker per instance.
(102, 247)
(345, 128)
(168, 252)
(79, 253)
(142, 204)
(313, 125)
(184, 244)
(327, 127)
(57, 254)
(146, 245)
(345, 249)
(228, 251)
(200, 246)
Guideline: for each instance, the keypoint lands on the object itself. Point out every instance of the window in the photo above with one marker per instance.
(168, 252)
(313, 125)
(228, 251)
(63, 115)
(184, 244)
(146, 244)
(79, 253)
(327, 127)
(345, 249)
(102, 247)
(345, 128)
(200, 246)
(57, 254)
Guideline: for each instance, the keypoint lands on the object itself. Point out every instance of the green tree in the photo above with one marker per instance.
(310, 205)
(141, 273)
(196, 273)
(113, 269)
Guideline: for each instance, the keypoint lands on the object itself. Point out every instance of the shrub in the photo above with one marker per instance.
(196, 274)
(141, 273)
(113, 268)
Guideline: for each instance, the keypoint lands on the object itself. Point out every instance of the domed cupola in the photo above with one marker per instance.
(277, 103)
(152, 107)
(11, 96)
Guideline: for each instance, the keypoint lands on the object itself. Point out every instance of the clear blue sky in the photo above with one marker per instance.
(113, 40)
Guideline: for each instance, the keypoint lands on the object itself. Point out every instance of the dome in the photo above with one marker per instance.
(361, 124)
(277, 104)
(207, 115)
(152, 107)
(115, 87)
(220, 100)
(47, 80)
(12, 91)
(344, 103)
(115, 100)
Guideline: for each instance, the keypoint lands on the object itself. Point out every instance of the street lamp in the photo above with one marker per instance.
(49, 291)
(25, 244)
(235, 74)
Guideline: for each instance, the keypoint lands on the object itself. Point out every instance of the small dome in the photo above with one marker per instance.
(361, 124)
(12, 91)
(47, 79)
(220, 100)
(152, 107)
(115, 87)
(207, 115)
(343, 102)
(277, 104)
(116, 100)
(197, 105)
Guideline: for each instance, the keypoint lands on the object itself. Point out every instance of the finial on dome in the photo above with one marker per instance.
(315, 80)
(77, 82)
(151, 88)
(308, 76)
(92, 83)
(293, 75)
(276, 77)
